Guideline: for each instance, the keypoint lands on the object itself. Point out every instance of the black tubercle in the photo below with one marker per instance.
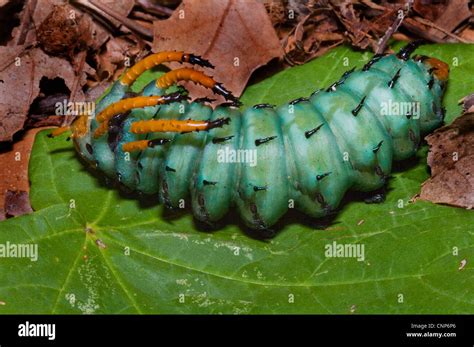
(258, 189)
(258, 106)
(221, 139)
(430, 82)
(356, 111)
(205, 100)
(296, 101)
(311, 132)
(208, 183)
(347, 73)
(333, 87)
(169, 169)
(174, 97)
(115, 129)
(259, 142)
(196, 59)
(320, 177)
(218, 123)
(406, 51)
(219, 89)
(372, 61)
(377, 147)
(158, 142)
(231, 104)
(394, 79)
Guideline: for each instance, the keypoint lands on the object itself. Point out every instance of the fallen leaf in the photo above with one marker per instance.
(111, 62)
(468, 104)
(20, 84)
(451, 159)
(14, 168)
(468, 34)
(448, 15)
(17, 203)
(236, 36)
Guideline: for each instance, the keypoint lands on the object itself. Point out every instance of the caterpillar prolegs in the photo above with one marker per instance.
(309, 151)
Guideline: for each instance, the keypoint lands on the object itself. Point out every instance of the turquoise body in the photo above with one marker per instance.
(305, 154)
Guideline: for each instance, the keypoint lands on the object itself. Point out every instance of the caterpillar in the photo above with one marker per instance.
(309, 151)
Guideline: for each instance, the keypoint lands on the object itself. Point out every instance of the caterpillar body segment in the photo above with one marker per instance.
(403, 131)
(178, 164)
(214, 180)
(149, 161)
(263, 182)
(121, 87)
(264, 160)
(348, 117)
(318, 177)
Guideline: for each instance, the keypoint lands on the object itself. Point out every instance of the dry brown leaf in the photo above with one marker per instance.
(468, 104)
(224, 31)
(451, 159)
(111, 62)
(17, 203)
(448, 15)
(468, 34)
(14, 159)
(20, 85)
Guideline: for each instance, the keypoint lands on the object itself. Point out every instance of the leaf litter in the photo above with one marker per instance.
(451, 159)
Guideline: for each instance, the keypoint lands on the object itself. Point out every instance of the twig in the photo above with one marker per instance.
(25, 21)
(391, 29)
(78, 68)
(153, 8)
(444, 31)
(130, 24)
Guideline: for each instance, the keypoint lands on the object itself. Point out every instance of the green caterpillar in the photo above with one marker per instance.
(309, 151)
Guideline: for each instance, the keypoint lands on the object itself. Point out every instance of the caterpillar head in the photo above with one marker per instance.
(440, 68)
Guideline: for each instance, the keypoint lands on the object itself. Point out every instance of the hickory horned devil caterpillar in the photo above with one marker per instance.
(310, 150)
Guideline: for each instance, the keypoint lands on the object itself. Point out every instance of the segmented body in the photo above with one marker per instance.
(308, 152)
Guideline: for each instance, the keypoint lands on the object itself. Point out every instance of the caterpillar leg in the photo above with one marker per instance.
(128, 104)
(157, 59)
(186, 74)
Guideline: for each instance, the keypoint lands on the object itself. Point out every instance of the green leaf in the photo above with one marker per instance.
(100, 251)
